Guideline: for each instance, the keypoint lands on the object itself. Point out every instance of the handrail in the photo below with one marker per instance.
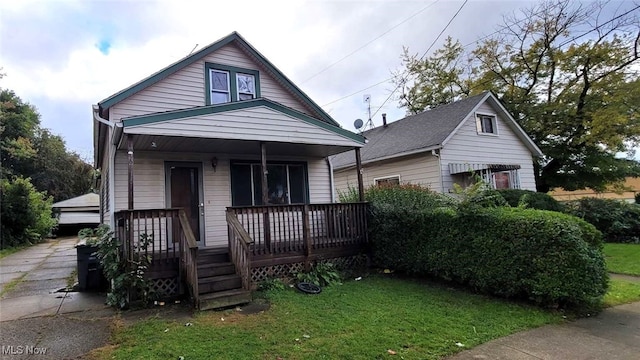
(188, 257)
(239, 242)
(244, 235)
(188, 232)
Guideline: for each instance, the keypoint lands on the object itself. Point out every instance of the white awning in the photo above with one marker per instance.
(457, 168)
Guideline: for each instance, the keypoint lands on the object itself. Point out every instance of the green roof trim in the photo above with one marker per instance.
(238, 105)
(234, 36)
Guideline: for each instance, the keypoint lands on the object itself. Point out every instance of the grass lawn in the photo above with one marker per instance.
(11, 250)
(357, 320)
(622, 292)
(623, 258)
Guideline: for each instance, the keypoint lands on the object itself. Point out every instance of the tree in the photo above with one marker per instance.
(569, 78)
(30, 151)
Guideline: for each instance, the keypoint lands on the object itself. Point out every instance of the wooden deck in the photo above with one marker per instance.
(259, 237)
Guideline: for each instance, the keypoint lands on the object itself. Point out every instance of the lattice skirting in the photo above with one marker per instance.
(167, 287)
(261, 273)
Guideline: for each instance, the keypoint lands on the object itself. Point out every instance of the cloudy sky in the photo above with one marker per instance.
(64, 56)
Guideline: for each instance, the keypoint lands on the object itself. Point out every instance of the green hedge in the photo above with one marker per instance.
(548, 258)
(25, 213)
(531, 199)
(617, 220)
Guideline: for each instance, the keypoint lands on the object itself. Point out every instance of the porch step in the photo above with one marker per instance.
(213, 255)
(216, 269)
(218, 283)
(224, 299)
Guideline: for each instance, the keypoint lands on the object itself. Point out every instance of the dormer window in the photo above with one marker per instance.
(226, 83)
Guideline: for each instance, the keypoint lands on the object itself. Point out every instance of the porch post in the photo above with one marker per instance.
(265, 196)
(359, 170)
(263, 169)
(130, 169)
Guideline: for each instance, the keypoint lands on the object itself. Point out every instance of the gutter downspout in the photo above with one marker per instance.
(438, 155)
(331, 181)
(112, 157)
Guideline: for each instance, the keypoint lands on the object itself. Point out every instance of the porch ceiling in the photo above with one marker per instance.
(158, 143)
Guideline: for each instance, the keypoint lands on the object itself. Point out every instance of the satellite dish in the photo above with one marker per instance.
(358, 124)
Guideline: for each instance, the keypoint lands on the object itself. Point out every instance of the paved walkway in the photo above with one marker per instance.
(37, 311)
(613, 334)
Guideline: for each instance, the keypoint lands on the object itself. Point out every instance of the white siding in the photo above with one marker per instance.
(149, 185)
(104, 185)
(260, 123)
(419, 169)
(186, 87)
(467, 146)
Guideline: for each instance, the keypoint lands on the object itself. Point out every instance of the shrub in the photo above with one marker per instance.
(531, 199)
(406, 196)
(617, 220)
(25, 212)
(548, 258)
(321, 274)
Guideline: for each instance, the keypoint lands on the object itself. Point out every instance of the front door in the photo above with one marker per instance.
(185, 193)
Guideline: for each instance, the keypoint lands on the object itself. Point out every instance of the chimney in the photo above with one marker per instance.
(384, 120)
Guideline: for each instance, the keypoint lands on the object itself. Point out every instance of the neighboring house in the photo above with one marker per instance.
(627, 192)
(76, 213)
(445, 146)
(220, 160)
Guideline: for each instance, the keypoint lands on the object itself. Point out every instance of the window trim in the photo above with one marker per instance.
(251, 163)
(233, 85)
(494, 122)
(375, 180)
(228, 92)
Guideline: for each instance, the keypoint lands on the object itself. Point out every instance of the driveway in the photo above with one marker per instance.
(38, 314)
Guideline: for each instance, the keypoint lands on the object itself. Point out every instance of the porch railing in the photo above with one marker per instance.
(163, 236)
(239, 243)
(280, 229)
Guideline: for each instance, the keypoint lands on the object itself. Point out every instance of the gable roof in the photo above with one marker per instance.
(86, 200)
(234, 37)
(426, 131)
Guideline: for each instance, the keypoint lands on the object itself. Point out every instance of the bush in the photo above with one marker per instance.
(548, 258)
(531, 199)
(25, 212)
(406, 196)
(617, 220)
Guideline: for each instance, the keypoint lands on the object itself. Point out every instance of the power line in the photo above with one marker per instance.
(369, 42)
(425, 53)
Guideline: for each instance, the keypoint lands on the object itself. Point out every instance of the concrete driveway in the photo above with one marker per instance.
(38, 313)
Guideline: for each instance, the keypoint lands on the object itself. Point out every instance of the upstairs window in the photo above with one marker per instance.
(486, 124)
(226, 83)
(220, 90)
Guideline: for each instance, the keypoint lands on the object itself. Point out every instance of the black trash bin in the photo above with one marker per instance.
(90, 275)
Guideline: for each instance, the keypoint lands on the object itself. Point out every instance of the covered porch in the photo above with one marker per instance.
(230, 207)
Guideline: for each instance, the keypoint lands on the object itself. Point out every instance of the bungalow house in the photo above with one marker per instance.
(220, 164)
(444, 146)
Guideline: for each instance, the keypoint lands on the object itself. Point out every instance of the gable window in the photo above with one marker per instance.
(286, 183)
(220, 91)
(224, 83)
(486, 124)
(388, 181)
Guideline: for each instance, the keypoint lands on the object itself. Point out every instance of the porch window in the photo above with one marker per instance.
(286, 183)
(224, 83)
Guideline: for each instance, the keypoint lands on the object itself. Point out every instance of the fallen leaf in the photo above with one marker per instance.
(391, 352)
(166, 330)
(221, 319)
(459, 344)
(306, 336)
